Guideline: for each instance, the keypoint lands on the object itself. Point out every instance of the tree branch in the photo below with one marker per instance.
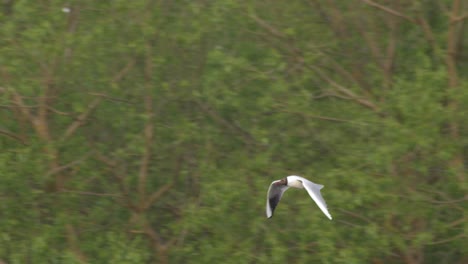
(248, 138)
(451, 60)
(9, 134)
(458, 19)
(90, 193)
(268, 27)
(57, 111)
(428, 32)
(73, 243)
(461, 235)
(81, 119)
(345, 90)
(390, 11)
(131, 62)
(325, 118)
(23, 109)
(110, 98)
(148, 132)
(450, 201)
(355, 215)
(66, 166)
(156, 195)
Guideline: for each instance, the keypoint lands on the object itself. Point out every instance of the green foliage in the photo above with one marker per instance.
(149, 132)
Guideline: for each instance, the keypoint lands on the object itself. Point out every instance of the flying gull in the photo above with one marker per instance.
(277, 188)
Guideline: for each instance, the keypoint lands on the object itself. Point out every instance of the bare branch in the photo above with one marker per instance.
(57, 111)
(389, 60)
(148, 132)
(371, 43)
(355, 215)
(428, 32)
(15, 106)
(81, 119)
(457, 222)
(110, 98)
(148, 230)
(326, 118)
(451, 60)
(350, 224)
(131, 62)
(73, 243)
(389, 10)
(156, 195)
(458, 19)
(343, 72)
(73, 20)
(181, 237)
(9, 134)
(23, 109)
(446, 199)
(344, 90)
(90, 193)
(248, 138)
(268, 27)
(450, 201)
(108, 161)
(66, 166)
(442, 241)
(159, 245)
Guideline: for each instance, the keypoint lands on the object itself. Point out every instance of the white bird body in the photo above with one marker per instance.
(295, 181)
(277, 188)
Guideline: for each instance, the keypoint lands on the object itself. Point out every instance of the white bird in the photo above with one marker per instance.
(277, 188)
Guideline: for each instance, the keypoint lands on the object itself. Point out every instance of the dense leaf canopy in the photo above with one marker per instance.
(149, 131)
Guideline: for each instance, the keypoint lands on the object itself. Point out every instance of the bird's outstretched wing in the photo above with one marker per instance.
(275, 192)
(314, 191)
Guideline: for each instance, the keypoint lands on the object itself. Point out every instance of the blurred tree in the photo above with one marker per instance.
(149, 131)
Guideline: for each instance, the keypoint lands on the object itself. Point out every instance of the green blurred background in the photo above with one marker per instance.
(149, 131)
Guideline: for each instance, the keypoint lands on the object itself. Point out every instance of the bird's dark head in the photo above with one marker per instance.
(283, 181)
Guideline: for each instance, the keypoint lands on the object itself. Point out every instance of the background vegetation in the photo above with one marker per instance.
(149, 131)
